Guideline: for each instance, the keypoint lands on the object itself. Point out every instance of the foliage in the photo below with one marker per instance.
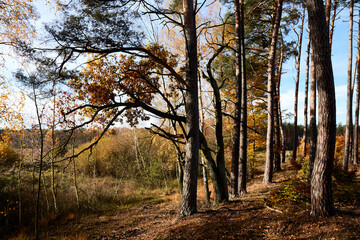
(8, 156)
(289, 194)
(133, 155)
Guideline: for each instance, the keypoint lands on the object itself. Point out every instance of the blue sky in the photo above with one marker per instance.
(339, 60)
(340, 68)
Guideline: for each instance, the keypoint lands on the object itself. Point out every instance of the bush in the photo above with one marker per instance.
(289, 194)
(8, 156)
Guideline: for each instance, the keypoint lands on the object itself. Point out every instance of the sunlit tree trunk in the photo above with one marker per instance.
(356, 127)
(321, 193)
(348, 131)
(332, 26)
(189, 195)
(203, 166)
(312, 122)
(270, 99)
(298, 61)
(306, 99)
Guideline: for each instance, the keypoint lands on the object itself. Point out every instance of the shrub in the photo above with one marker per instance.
(8, 156)
(289, 194)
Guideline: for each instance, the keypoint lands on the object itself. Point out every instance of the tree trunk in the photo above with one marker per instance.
(270, 99)
(333, 23)
(348, 131)
(203, 166)
(327, 12)
(312, 123)
(298, 61)
(277, 112)
(37, 209)
(213, 169)
(321, 194)
(306, 99)
(235, 151)
(283, 150)
(189, 195)
(356, 127)
(243, 128)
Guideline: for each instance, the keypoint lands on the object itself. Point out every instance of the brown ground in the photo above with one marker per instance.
(244, 218)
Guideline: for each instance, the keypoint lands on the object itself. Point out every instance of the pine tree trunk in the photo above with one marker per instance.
(327, 12)
(321, 193)
(312, 123)
(188, 198)
(243, 127)
(270, 99)
(348, 131)
(298, 61)
(306, 99)
(356, 127)
(235, 151)
(283, 150)
(332, 26)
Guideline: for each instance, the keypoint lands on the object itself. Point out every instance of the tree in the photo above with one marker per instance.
(348, 132)
(357, 100)
(321, 192)
(243, 127)
(312, 120)
(235, 151)
(298, 60)
(270, 92)
(305, 141)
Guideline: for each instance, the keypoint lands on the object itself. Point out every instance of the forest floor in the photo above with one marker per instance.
(246, 217)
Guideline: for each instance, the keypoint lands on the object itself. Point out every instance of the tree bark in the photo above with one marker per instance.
(270, 99)
(188, 198)
(298, 61)
(235, 151)
(356, 127)
(332, 26)
(312, 123)
(283, 150)
(348, 131)
(306, 99)
(243, 127)
(203, 166)
(220, 153)
(321, 193)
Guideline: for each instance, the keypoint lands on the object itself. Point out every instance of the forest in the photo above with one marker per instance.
(165, 119)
